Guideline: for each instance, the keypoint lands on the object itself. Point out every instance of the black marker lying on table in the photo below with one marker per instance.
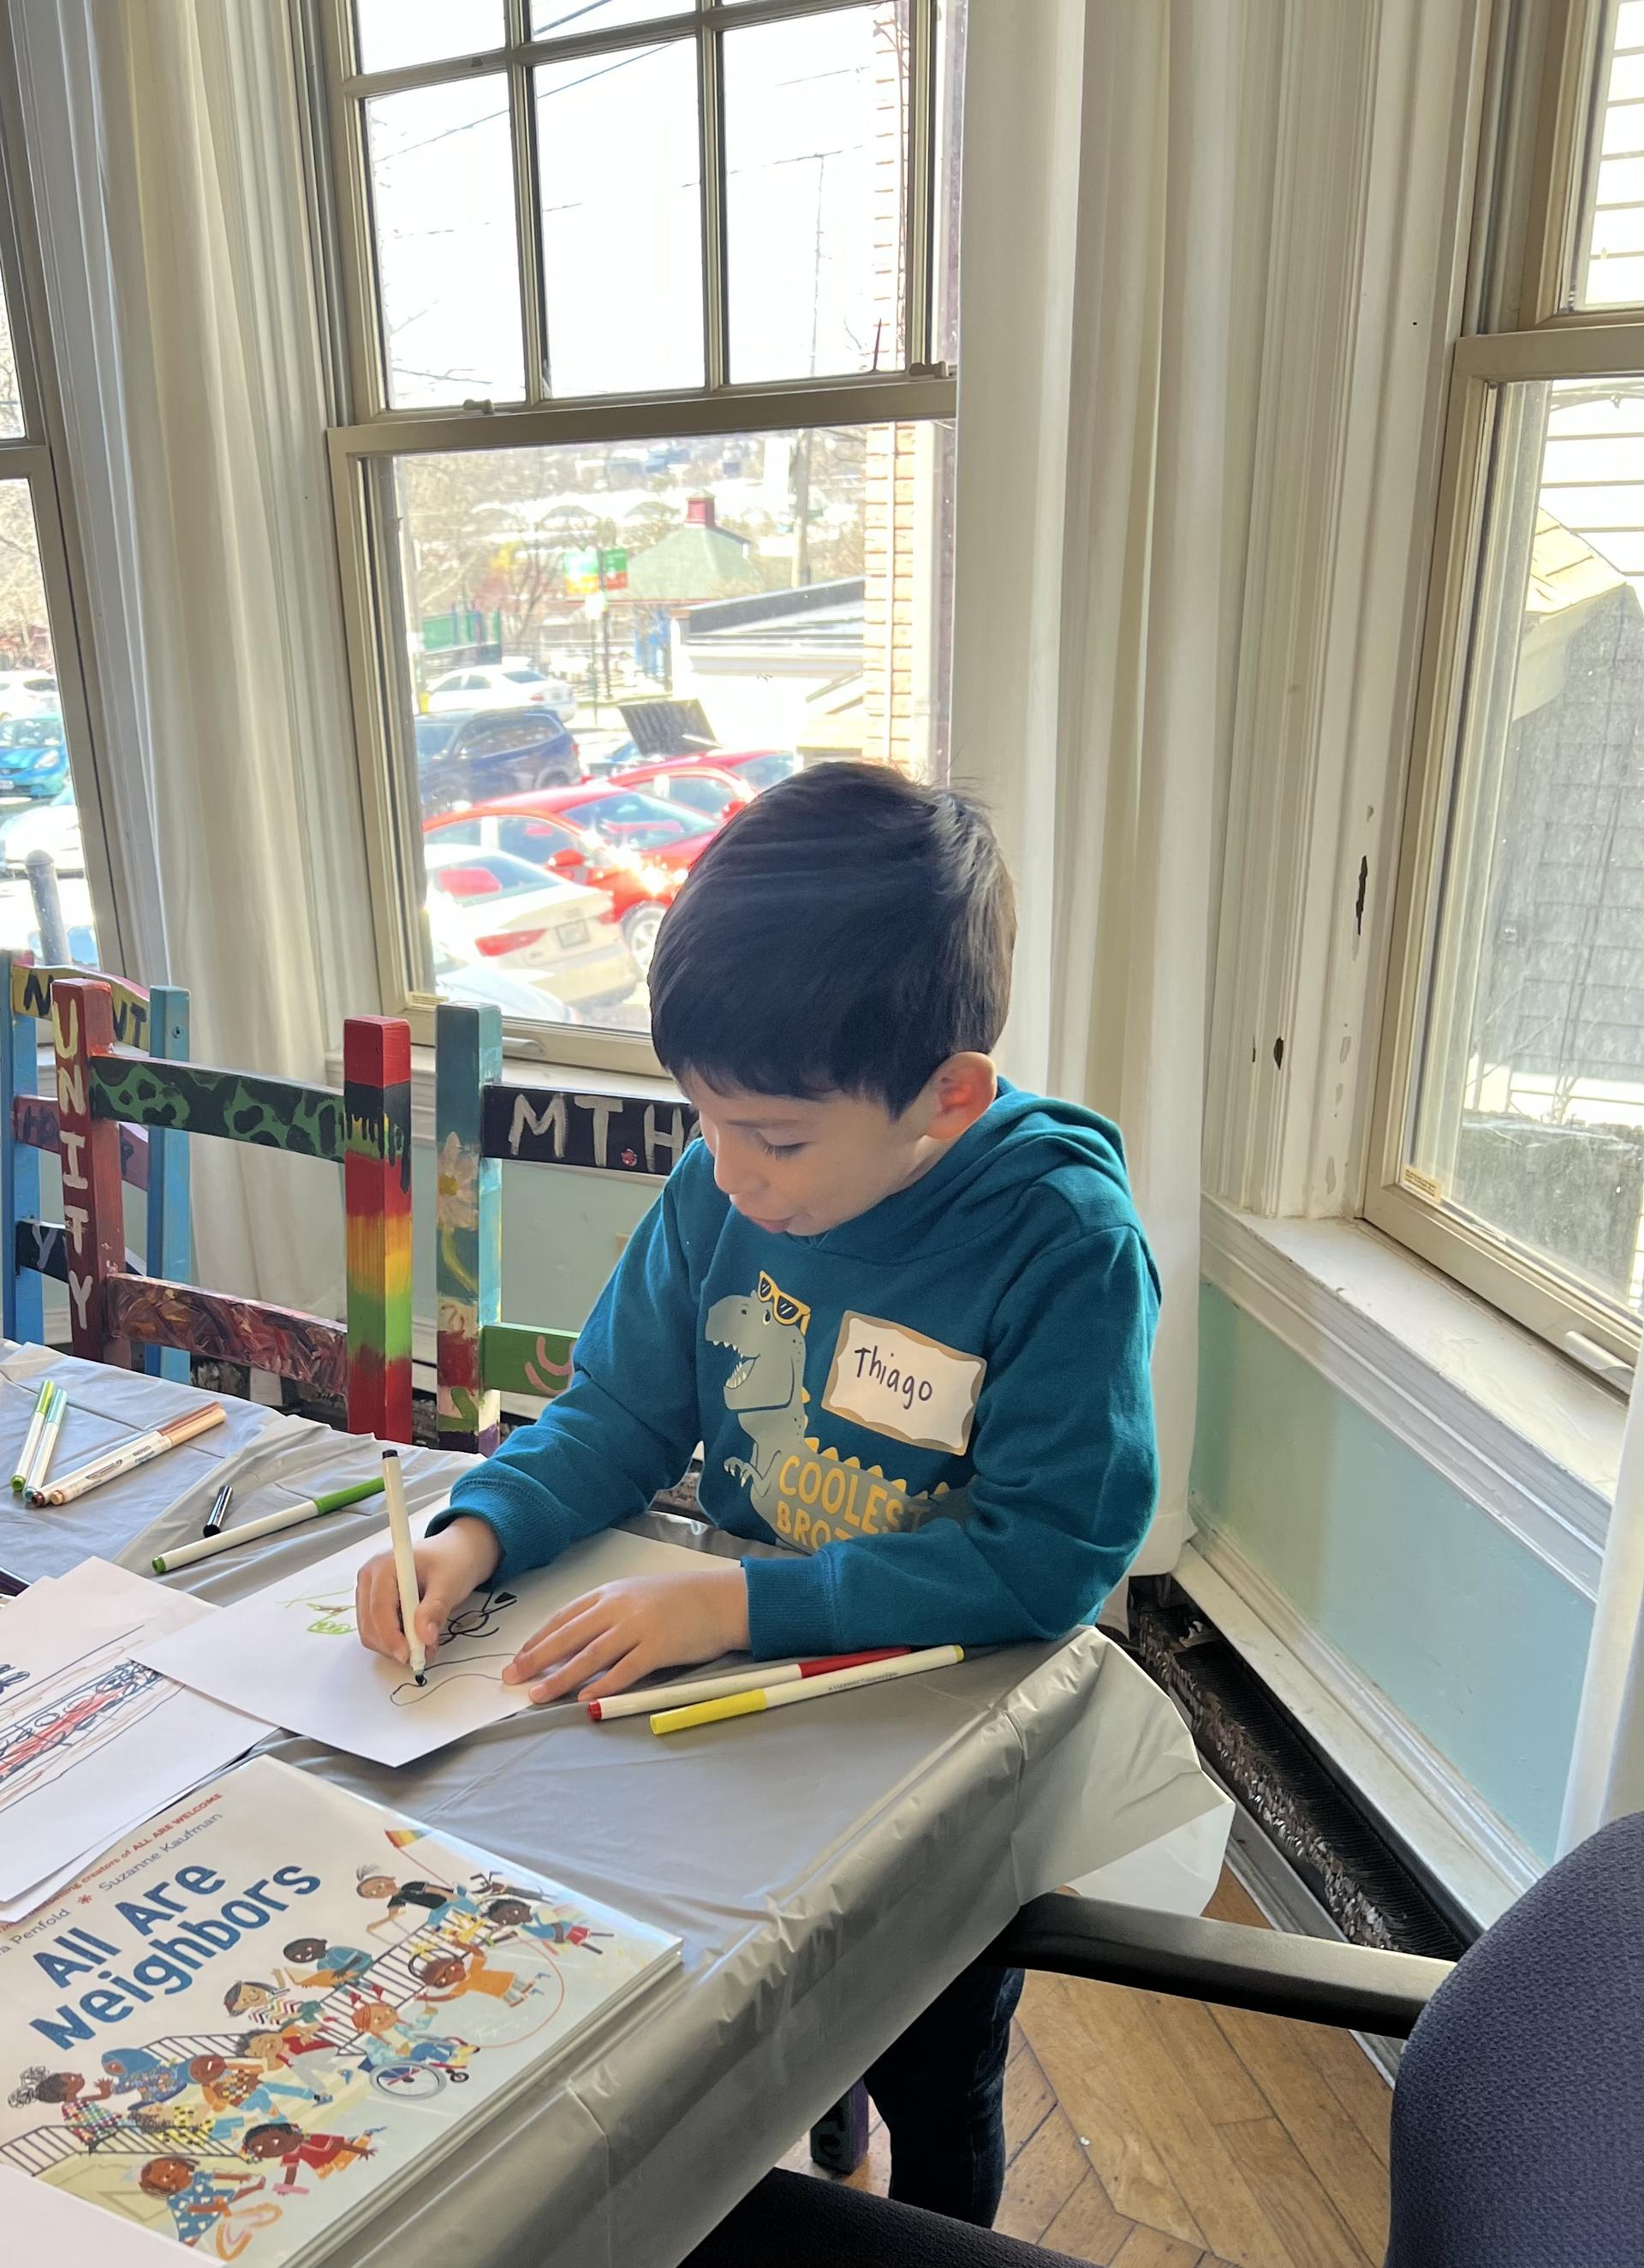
(405, 1560)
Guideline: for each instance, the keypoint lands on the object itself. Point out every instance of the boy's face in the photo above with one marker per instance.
(799, 1167)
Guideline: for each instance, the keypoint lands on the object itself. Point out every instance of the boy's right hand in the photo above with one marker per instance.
(448, 1566)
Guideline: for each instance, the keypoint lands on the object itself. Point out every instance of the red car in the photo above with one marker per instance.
(706, 784)
(635, 847)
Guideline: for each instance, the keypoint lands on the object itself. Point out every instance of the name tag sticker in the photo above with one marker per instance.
(898, 1381)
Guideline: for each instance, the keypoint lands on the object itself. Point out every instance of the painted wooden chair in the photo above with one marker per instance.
(365, 1126)
(155, 1021)
(482, 1122)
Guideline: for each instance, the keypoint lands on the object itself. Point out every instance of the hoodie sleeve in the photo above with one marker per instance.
(624, 1427)
(1064, 1475)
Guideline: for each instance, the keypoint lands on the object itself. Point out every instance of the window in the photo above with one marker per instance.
(1509, 1134)
(45, 894)
(651, 327)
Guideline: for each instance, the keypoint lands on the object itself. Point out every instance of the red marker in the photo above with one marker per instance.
(752, 1680)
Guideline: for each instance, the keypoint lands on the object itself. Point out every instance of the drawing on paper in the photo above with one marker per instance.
(72, 1722)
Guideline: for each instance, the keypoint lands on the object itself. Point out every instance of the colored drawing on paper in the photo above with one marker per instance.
(71, 1722)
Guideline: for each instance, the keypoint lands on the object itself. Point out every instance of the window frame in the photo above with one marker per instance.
(363, 450)
(1550, 339)
(33, 457)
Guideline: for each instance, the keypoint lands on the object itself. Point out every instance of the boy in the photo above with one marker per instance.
(905, 1308)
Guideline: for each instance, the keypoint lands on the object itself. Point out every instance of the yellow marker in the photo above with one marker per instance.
(806, 1688)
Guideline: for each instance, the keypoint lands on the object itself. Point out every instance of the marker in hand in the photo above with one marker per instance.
(405, 1560)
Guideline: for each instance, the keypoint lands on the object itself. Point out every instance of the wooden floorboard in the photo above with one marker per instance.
(1145, 2132)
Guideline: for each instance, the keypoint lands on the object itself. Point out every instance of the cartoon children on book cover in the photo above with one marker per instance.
(267, 2006)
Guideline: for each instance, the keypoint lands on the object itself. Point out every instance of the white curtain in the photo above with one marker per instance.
(165, 157)
(1607, 1767)
(1099, 479)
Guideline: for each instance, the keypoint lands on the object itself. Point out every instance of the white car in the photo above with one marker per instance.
(498, 685)
(29, 693)
(53, 827)
(562, 937)
(482, 984)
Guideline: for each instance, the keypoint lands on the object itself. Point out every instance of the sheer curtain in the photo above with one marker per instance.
(165, 162)
(1103, 468)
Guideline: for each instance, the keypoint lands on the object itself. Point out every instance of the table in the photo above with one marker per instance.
(828, 1870)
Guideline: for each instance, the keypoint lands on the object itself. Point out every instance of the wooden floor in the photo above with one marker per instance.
(1149, 2132)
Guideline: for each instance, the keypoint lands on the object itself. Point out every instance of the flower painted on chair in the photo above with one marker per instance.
(456, 1204)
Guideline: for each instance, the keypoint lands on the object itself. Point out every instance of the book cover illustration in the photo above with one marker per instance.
(253, 2021)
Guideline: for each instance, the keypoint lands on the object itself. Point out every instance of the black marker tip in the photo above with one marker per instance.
(421, 1677)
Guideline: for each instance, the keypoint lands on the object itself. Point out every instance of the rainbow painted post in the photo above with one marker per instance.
(468, 1225)
(376, 1196)
(81, 1028)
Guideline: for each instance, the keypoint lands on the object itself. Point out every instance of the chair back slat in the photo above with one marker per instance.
(518, 1358)
(129, 1005)
(217, 1325)
(563, 1126)
(34, 1123)
(276, 1114)
(481, 1122)
(468, 1229)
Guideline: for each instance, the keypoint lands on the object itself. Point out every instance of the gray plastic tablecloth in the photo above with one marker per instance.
(829, 1869)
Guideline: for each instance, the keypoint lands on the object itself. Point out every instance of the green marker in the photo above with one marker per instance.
(270, 1524)
(31, 1439)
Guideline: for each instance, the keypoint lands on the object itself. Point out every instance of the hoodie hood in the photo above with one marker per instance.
(1020, 1138)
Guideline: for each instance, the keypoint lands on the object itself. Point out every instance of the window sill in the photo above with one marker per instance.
(1527, 1435)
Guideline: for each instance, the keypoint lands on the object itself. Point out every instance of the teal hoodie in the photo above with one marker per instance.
(944, 1405)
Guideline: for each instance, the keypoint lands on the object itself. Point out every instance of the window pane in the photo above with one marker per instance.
(37, 809)
(621, 221)
(12, 423)
(1529, 1111)
(563, 20)
(443, 210)
(1611, 264)
(815, 122)
(391, 33)
(706, 616)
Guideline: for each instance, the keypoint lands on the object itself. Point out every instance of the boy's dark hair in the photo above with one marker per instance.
(845, 933)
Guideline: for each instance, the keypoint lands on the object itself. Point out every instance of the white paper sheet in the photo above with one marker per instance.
(291, 1653)
(91, 1740)
(45, 2225)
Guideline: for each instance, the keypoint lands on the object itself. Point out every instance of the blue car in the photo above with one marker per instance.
(470, 757)
(34, 757)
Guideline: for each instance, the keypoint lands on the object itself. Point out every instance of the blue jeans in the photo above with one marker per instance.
(940, 2090)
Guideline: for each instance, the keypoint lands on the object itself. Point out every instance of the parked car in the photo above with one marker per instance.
(691, 781)
(29, 693)
(483, 984)
(53, 827)
(628, 817)
(461, 758)
(498, 685)
(34, 757)
(640, 886)
(483, 905)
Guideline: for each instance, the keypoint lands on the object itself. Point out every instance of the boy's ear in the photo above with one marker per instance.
(957, 1095)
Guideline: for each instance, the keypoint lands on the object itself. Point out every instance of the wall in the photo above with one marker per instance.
(1470, 1636)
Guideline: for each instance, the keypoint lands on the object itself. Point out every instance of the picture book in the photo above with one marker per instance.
(250, 2024)
(291, 1653)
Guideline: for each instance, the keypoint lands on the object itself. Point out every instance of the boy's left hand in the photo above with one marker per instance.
(609, 1638)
